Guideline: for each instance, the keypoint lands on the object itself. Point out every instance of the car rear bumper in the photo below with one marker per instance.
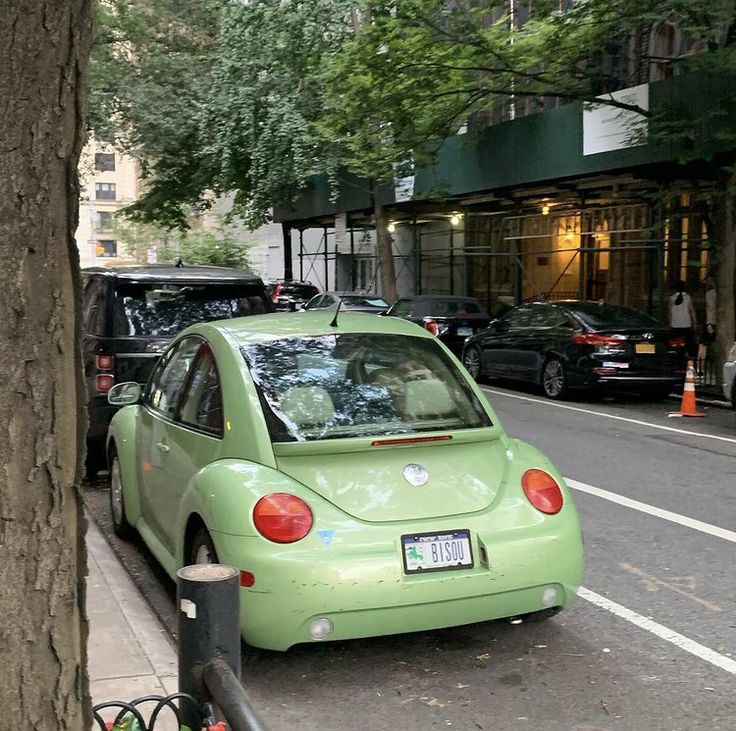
(370, 595)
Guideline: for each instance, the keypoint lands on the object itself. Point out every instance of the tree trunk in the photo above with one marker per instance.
(44, 45)
(385, 249)
(724, 225)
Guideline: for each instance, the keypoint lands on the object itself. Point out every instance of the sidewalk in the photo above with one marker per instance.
(130, 654)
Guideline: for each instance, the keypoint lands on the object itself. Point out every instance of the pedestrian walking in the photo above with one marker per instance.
(681, 316)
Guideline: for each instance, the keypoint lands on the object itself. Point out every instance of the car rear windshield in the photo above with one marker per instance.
(162, 309)
(352, 385)
(611, 317)
(359, 300)
(298, 290)
(448, 308)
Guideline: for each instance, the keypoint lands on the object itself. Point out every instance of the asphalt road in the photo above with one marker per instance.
(651, 643)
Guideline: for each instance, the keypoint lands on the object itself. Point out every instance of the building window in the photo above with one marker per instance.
(105, 191)
(104, 161)
(107, 247)
(105, 220)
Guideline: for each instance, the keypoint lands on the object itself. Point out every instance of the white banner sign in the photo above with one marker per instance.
(607, 128)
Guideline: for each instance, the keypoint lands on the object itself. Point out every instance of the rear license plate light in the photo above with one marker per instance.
(427, 552)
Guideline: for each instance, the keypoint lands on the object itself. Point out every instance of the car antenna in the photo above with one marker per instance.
(334, 319)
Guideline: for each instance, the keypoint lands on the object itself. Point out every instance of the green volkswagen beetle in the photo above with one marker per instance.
(351, 470)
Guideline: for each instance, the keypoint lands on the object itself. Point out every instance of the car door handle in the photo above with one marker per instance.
(163, 447)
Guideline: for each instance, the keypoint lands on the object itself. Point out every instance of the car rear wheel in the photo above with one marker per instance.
(120, 525)
(202, 549)
(471, 361)
(554, 379)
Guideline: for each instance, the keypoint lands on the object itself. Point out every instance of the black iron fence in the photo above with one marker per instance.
(210, 692)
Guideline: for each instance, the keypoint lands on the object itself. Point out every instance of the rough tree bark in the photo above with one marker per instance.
(44, 45)
(385, 251)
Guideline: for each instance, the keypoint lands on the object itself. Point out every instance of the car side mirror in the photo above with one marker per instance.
(124, 394)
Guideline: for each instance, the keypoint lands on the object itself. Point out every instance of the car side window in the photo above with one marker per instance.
(313, 304)
(402, 308)
(516, 319)
(540, 316)
(170, 377)
(202, 404)
(94, 306)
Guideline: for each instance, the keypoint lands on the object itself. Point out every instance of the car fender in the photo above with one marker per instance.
(223, 494)
(121, 435)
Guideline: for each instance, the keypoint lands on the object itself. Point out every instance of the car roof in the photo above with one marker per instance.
(171, 272)
(263, 328)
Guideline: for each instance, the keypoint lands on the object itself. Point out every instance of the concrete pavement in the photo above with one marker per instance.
(130, 654)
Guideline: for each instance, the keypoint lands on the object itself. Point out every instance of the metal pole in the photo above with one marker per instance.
(352, 259)
(327, 262)
(417, 258)
(301, 254)
(232, 699)
(452, 259)
(208, 598)
(288, 264)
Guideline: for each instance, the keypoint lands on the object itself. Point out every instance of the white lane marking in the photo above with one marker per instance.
(546, 402)
(614, 497)
(659, 630)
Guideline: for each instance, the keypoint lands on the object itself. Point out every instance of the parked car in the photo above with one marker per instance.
(729, 376)
(351, 302)
(355, 475)
(289, 294)
(568, 345)
(131, 313)
(451, 319)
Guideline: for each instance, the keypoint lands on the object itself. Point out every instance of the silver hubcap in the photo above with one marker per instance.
(203, 555)
(116, 493)
(554, 378)
(472, 362)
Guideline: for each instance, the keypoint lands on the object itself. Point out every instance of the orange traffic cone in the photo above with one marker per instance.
(688, 406)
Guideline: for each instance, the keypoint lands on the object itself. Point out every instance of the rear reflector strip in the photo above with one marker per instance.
(411, 440)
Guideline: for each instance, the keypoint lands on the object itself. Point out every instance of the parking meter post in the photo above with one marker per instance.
(208, 602)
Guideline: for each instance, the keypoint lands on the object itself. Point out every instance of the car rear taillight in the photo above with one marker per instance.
(282, 518)
(104, 362)
(431, 325)
(276, 292)
(595, 339)
(542, 491)
(104, 382)
(677, 342)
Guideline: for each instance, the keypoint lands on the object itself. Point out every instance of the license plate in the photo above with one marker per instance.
(426, 552)
(465, 331)
(645, 348)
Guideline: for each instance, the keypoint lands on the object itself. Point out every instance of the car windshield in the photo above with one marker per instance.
(448, 308)
(610, 317)
(351, 385)
(162, 309)
(360, 300)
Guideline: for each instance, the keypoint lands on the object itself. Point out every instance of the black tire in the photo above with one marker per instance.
(472, 362)
(201, 548)
(554, 379)
(120, 525)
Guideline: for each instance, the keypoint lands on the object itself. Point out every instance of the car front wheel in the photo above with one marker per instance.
(554, 379)
(120, 525)
(471, 361)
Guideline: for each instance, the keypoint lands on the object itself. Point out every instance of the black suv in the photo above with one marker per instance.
(131, 313)
(452, 319)
(290, 294)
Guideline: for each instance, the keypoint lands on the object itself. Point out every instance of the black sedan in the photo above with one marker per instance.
(452, 319)
(568, 345)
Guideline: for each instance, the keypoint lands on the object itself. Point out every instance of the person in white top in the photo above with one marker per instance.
(681, 316)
